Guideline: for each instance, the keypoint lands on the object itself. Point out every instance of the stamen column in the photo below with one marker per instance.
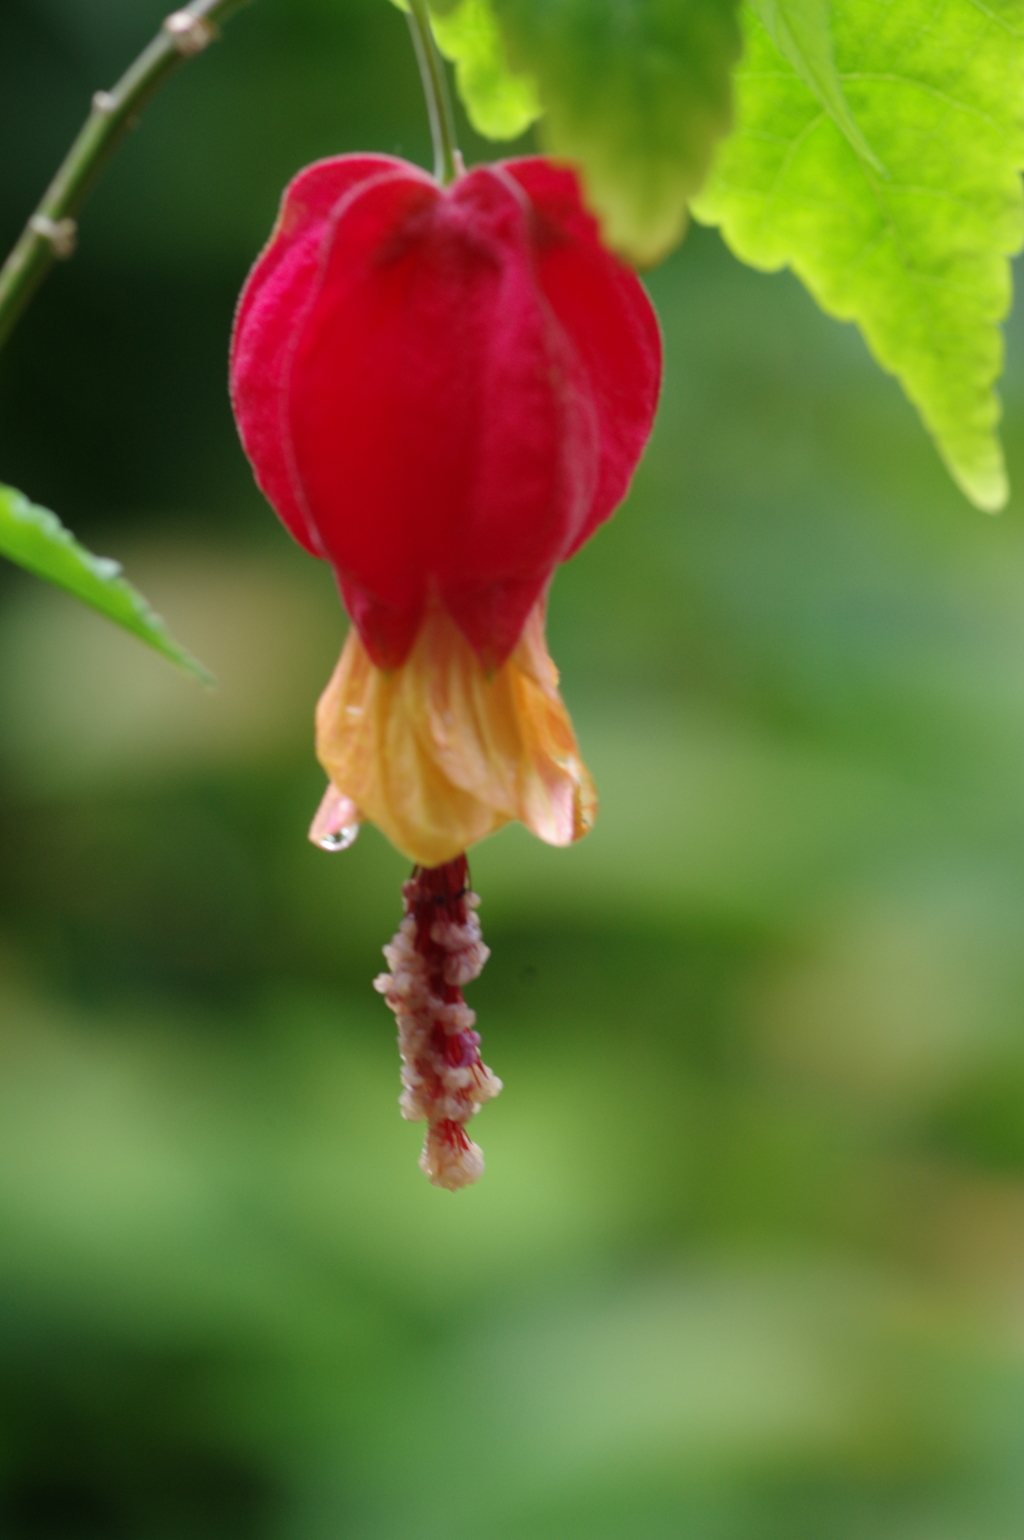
(437, 949)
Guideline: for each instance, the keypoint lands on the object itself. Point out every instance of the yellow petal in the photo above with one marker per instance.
(439, 754)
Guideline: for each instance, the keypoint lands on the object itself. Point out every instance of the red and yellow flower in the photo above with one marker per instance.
(443, 392)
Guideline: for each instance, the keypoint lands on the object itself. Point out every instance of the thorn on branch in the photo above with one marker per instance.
(62, 234)
(190, 34)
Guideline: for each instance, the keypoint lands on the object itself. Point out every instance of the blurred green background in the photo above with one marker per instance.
(748, 1258)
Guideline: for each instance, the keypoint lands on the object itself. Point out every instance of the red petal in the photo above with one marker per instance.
(442, 389)
(605, 310)
(265, 322)
(388, 630)
(441, 426)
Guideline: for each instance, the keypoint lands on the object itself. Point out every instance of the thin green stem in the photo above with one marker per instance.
(447, 159)
(50, 233)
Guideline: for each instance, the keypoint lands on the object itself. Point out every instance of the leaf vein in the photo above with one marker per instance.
(922, 85)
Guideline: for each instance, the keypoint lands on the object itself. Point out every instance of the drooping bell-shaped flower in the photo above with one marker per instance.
(443, 391)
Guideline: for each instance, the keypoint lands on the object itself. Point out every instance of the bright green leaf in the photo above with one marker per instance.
(801, 31)
(638, 91)
(919, 257)
(37, 540)
(499, 104)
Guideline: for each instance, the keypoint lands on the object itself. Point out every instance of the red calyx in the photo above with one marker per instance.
(442, 389)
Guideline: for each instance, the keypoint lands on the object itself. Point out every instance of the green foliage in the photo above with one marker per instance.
(500, 104)
(37, 540)
(877, 155)
(801, 31)
(916, 252)
(638, 92)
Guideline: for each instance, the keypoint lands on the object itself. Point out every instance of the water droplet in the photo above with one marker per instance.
(340, 839)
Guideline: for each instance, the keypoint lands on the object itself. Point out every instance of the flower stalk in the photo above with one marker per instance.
(447, 156)
(49, 235)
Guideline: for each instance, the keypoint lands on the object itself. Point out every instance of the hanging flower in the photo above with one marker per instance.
(443, 392)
